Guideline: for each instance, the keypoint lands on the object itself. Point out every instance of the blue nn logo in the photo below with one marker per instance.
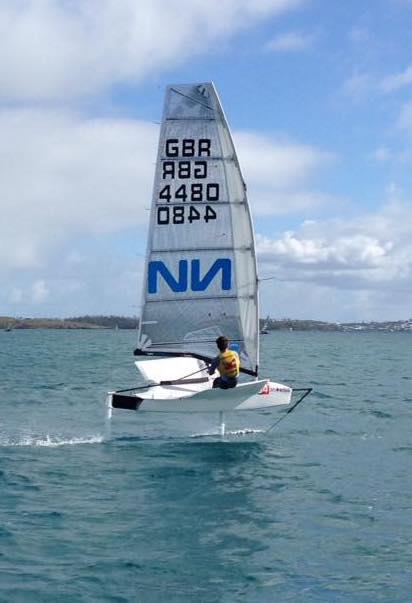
(189, 277)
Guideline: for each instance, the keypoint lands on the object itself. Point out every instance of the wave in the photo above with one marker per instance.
(229, 433)
(51, 441)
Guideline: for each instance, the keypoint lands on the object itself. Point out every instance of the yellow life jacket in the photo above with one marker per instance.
(229, 364)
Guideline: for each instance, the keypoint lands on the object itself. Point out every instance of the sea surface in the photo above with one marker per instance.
(161, 509)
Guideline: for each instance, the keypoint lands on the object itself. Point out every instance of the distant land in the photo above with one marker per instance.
(8, 323)
(78, 322)
(271, 324)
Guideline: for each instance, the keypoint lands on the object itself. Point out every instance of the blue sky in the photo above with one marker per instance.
(319, 98)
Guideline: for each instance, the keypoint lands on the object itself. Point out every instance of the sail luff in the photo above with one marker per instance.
(141, 337)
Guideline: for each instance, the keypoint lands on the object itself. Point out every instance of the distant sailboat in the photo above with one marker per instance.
(9, 327)
(200, 276)
(264, 330)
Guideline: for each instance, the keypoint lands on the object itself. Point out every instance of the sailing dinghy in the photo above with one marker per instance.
(200, 276)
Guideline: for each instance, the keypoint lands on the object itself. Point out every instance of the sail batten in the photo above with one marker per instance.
(193, 299)
(220, 203)
(189, 119)
(200, 247)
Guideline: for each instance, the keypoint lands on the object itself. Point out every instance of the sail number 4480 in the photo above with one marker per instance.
(182, 214)
(195, 192)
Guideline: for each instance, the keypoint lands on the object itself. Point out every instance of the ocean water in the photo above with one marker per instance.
(320, 511)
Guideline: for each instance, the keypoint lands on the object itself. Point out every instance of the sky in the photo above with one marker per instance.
(318, 95)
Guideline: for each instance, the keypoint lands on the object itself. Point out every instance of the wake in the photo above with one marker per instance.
(50, 441)
(228, 433)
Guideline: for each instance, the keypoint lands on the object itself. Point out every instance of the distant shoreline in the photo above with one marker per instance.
(8, 323)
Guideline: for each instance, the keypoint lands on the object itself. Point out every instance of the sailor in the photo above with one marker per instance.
(227, 362)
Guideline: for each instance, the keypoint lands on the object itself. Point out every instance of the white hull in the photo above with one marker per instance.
(246, 396)
(196, 394)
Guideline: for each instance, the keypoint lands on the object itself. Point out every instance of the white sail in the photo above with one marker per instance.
(200, 276)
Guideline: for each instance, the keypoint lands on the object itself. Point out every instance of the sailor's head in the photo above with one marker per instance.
(222, 343)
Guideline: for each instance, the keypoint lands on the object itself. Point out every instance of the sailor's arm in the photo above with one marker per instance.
(213, 365)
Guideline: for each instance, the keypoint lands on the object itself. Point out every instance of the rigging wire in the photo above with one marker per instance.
(130, 389)
(306, 391)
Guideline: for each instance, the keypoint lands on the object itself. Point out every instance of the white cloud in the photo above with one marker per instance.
(359, 86)
(63, 176)
(394, 82)
(357, 251)
(286, 163)
(370, 251)
(279, 173)
(359, 269)
(362, 85)
(58, 50)
(105, 280)
(290, 42)
(267, 200)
